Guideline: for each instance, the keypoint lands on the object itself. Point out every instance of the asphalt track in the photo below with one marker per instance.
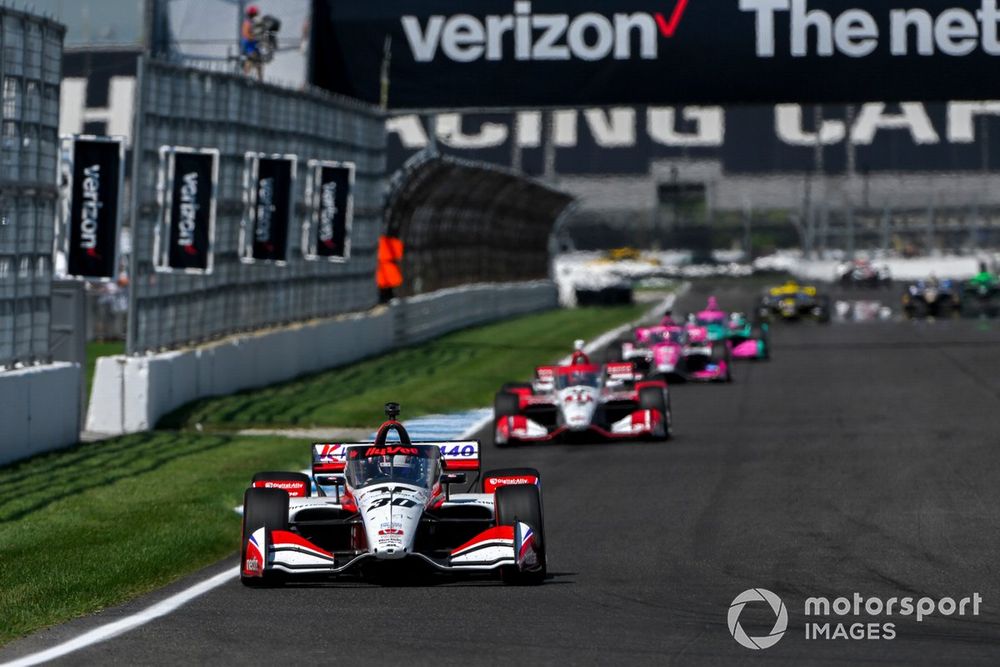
(862, 458)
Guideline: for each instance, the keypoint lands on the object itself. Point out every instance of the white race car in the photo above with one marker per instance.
(376, 508)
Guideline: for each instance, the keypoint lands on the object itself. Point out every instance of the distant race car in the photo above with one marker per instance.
(863, 273)
(792, 302)
(981, 295)
(382, 508)
(745, 340)
(931, 298)
(583, 400)
(679, 353)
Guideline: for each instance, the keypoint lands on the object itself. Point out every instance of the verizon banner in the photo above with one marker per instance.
(439, 53)
(268, 195)
(330, 198)
(186, 232)
(89, 239)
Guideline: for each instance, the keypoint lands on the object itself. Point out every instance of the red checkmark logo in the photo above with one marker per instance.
(669, 26)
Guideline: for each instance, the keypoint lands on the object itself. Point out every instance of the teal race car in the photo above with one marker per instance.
(744, 339)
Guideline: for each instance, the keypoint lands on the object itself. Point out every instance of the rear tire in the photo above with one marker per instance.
(524, 504)
(262, 508)
(504, 405)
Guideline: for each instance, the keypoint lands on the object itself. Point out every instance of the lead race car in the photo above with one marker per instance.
(379, 507)
(583, 400)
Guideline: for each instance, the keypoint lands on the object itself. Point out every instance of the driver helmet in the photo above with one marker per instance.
(713, 303)
(252, 11)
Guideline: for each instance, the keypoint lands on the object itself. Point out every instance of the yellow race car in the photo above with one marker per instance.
(793, 301)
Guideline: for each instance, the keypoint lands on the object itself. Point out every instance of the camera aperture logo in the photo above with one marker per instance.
(780, 623)
(874, 618)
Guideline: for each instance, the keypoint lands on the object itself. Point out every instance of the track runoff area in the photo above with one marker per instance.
(857, 468)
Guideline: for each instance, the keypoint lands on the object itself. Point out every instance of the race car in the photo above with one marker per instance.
(736, 330)
(981, 295)
(863, 273)
(792, 302)
(931, 298)
(679, 354)
(583, 400)
(385, 509)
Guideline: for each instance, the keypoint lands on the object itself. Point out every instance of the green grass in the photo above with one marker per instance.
(93, 526)
(459, 371)
(95, 350)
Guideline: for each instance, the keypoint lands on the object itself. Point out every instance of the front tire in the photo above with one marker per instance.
(522, 503)
(262, 508)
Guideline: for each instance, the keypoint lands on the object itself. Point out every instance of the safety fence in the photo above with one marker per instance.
(185, 107)
(30, 72)
(464, 223)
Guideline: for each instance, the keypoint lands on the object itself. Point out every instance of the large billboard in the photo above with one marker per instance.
(960, 136)
(517, 53)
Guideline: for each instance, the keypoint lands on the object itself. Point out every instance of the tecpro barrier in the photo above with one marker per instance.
(130, 394)
(463, 222)
(39, 410)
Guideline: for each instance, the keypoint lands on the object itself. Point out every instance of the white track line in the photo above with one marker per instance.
(172, 603)
(123, 625)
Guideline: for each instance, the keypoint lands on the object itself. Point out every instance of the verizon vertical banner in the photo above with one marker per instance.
(268, 195)
(330, 198)
(607, 52)
(92, 217)
(186, 232)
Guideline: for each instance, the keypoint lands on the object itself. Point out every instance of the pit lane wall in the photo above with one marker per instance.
(39, 409)
(130, 394)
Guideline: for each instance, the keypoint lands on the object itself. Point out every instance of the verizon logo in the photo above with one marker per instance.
(188, 213)
(590, 36)
(265, 210)
(90, 209)
(328, 213)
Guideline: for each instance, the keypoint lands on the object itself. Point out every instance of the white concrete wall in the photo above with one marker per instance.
(131, 394)
(39, 410)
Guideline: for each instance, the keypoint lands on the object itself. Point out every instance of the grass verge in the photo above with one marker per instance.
(93, 526)
(459, 371)
(90, 527)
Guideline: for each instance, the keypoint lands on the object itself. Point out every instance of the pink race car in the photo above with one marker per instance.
(683, 353)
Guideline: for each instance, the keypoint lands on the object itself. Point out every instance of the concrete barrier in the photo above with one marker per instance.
(130, 394)
(39, 410)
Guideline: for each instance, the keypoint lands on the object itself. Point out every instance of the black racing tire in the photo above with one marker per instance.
(510, 472)
(267, 508)
(824, 310)
(765, 336)
(505, 404)
(522, 503)
(652, 398)
(284, 477)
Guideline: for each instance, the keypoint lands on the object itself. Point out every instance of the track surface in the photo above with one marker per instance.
(863, 457)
